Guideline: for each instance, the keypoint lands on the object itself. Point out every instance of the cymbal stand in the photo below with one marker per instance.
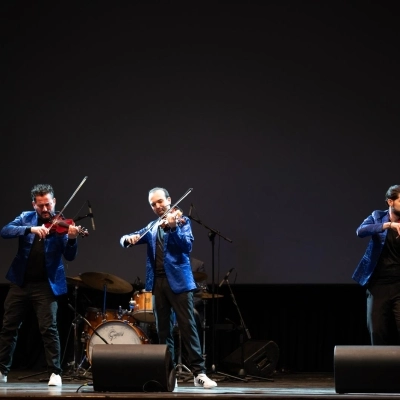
(104, 299)
(75, 325)
(180, 365)
(74, 364)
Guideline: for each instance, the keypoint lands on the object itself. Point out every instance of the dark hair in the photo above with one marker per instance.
(41, 189)
(393, 193)
(159, 188)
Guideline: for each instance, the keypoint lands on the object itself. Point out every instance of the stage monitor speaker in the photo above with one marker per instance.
(132, 368)
(367, 369)
(260, 358)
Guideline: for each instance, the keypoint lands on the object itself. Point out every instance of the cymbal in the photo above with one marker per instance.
(199, 276)
(76, 281)
(101, 280)
(206, 295)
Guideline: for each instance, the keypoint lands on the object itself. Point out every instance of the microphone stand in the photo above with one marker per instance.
(211, 234)
(79, 217)
(79, 316)
(242, 328)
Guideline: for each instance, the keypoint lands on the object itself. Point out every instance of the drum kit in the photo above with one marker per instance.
(109, 326)
(117, 326)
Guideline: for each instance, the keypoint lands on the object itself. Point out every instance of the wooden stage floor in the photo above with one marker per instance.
(279, 386)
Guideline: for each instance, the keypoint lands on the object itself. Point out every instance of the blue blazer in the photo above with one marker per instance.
(177, 248)
(372, 226)
(55, 246)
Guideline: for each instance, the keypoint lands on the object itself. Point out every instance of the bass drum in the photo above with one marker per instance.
(116, 332)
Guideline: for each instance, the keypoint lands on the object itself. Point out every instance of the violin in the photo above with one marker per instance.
(59, 224)
(163, 223)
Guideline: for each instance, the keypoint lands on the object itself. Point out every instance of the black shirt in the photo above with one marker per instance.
(160, 271)
(388, 268)
(36, 267)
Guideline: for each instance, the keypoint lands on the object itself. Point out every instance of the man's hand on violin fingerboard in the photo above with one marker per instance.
(74, 231)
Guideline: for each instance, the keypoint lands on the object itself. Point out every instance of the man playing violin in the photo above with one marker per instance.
(169, 276)
(37, 277)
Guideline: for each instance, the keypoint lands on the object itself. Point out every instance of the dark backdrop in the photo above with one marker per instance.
(283, 118)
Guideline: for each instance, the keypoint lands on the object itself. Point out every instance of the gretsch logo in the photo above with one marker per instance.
(114, 334)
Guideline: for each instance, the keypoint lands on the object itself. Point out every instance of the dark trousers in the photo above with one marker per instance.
(166, 303)
(198, 317)
(383, 313)
(18, 302)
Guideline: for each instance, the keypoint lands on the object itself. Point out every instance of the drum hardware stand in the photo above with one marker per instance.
(76, 320)
(104, 299)
(74, 372)
(211, 234)
(204, 328)
(180, 365)
(77, 368)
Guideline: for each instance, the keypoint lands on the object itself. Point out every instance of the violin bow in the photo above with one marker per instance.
(162, 216)
(66, 204)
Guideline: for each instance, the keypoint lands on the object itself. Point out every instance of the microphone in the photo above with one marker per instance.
(91, 215)
(190, 209)
(226, 277)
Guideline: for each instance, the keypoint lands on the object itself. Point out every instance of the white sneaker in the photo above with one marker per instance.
(3, 378)
(176, 382)
(55, 380)
(205, 381)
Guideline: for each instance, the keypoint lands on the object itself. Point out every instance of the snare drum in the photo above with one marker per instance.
(96, 317)
(116, 332)
(120, 315)
(143, 311)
